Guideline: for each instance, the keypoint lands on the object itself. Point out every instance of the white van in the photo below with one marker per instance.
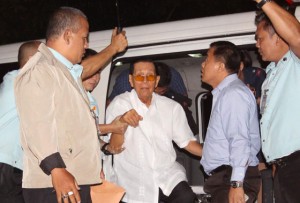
(180, 44)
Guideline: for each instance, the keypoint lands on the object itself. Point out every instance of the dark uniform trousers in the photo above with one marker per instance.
(10, 184)
(287, 179)
(48, 195)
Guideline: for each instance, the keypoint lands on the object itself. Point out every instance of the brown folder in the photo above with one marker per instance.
(107, 192)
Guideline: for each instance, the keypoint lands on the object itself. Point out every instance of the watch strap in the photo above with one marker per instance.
(262, 3)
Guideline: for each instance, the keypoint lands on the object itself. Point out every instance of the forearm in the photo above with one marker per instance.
(92, 64)
(116, 140)
(106, 128)
(239, 157)
(194, 148)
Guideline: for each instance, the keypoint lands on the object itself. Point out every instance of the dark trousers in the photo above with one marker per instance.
(218, 185)
(10, 184)
(287, 179)
(48, 195)
(182, 193)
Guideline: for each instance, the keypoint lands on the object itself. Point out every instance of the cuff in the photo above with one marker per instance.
(51, 162)
(238, 174)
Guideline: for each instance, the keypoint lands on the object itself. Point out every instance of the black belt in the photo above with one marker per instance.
(219, 169)
(283, 161)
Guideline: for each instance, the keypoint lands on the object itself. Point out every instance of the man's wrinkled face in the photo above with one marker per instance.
(144, 80)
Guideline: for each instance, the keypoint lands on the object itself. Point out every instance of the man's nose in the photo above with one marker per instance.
(257, 44)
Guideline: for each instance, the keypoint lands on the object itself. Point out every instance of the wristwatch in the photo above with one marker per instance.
(262, 3)
(104, 150)
(236, 184)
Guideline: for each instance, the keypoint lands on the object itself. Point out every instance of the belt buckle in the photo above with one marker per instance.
(279, 162)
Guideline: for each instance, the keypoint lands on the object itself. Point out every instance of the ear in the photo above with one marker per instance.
(67, 36)
(241, 66)
(221, 67)
(131, 80)
(157, 80)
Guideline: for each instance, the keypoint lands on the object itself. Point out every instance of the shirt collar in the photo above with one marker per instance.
(74, 69)
(153, 100)
(285, 58)
(61, 58)
(228, 79)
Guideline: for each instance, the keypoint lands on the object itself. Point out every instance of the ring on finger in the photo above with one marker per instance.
(70, 193)
(65, 196)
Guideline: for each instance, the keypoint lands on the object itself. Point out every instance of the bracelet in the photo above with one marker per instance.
(104, 150)
(262, 3)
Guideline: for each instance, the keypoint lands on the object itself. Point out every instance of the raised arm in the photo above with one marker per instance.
(92, 64)
(285, 24)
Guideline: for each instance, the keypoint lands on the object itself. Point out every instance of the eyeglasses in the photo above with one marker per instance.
(141, 78)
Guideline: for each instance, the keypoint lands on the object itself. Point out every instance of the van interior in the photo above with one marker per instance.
(188, 64)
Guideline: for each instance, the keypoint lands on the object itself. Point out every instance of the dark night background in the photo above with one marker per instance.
(22, 20)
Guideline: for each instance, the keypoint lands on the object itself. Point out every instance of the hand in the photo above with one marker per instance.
(236, 195)
(119, 41)
(131, 117)
(64, 183)
(118, 126)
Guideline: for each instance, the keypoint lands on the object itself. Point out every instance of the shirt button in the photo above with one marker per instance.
(261, 123)
(263, 140)
(70, 150)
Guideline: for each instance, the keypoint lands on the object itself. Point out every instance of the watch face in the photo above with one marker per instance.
(236, 184)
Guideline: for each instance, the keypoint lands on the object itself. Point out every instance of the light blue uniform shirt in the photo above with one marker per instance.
(95, 108)
(10, 148)
(75, 70)
(93, 104)
(232, 136)
(280, 108)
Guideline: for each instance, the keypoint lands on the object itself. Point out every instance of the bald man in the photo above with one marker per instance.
(10, 149)
(58, 129)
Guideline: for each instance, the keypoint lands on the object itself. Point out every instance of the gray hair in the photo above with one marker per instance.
(62, 19)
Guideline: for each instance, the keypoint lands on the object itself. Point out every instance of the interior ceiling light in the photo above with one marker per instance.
(195, 55)
(119, 63)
